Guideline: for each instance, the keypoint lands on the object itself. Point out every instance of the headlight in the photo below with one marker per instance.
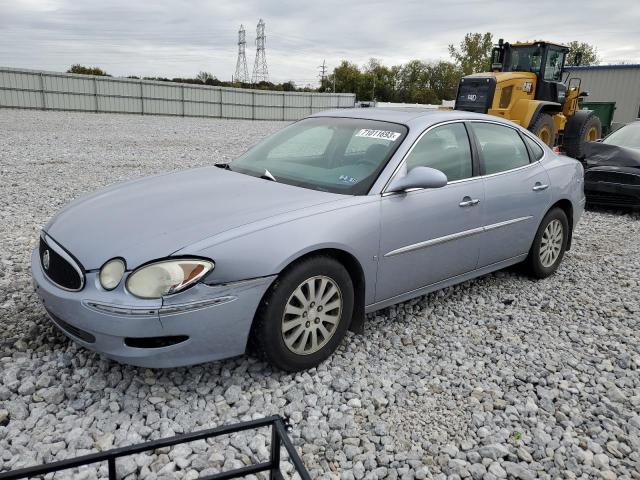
(166, 277)
(111, 273)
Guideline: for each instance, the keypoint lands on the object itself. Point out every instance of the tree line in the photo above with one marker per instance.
(416, 81)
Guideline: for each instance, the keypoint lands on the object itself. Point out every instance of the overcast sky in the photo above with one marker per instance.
(180, 38)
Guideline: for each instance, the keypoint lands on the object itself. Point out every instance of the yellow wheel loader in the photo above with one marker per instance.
(526, 86)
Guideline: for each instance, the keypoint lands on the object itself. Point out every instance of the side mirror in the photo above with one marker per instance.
(419, 177)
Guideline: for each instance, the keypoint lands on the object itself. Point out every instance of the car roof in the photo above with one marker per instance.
(411, 117)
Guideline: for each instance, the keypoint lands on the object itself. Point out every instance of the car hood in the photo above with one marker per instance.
(598, 154)
(155, 216)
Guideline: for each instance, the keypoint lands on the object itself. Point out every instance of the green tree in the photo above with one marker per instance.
(82, 70)
(205, 77)
(345, 77)
(474, 52)
(381, 80)
(413, 83)
(588, 52)
(444, 78)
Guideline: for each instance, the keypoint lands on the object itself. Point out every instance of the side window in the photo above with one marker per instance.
(537, 150)
(502, 148)
(553, 65)
(444, 148)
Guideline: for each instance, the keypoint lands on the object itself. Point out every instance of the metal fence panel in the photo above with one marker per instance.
(19, 80)
(68, 84)
(269, 99)
(323, 101)
(345, 101)
(299, 100)
(67, 101)
(199, 109)
(119, 88)
(162, 107)
(295, 113)
(237, 111)
(168, 92)
(196, 94)
(268, 113)
(237, 97)
(20, 88)
(119, 104)
(20, 99)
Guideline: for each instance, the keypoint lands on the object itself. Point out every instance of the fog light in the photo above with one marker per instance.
(111, 273)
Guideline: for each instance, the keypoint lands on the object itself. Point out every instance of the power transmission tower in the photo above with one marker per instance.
(260, 70)
(242, 74)
(323, 71)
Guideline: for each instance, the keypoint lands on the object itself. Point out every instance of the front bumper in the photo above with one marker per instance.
(612, 194)
(210, 322)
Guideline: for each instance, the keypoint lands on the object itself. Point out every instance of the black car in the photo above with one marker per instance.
(612, 168)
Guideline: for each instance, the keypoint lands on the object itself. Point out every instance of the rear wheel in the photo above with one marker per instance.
(589, 129)
(305, 315)
(549, 244)
(544, 128)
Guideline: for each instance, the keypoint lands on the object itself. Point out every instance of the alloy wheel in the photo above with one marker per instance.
(311, 315)
(551, 243)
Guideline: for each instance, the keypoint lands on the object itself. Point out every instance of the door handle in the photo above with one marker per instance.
(539, 186)
(469, 202)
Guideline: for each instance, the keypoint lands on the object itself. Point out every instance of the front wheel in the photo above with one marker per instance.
(549, 244)
(305, 314)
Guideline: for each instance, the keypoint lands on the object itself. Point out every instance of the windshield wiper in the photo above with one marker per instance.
(267, 176)
(224, 166)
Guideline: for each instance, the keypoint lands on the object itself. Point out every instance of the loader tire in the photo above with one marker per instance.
(588, 129)
(544, 128)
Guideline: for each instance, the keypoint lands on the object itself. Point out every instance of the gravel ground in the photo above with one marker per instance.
(498, 377)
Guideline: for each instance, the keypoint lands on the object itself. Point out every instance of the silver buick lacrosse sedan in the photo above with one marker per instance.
(287, 247)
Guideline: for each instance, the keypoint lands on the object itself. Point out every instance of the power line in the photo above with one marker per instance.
(242, 75)
(260, 69)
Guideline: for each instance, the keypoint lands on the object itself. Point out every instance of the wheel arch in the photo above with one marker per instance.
(567, 207)
(355, 271)
(528, 110)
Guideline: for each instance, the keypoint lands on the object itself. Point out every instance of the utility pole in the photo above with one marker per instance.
(260, 69)
(323, 71)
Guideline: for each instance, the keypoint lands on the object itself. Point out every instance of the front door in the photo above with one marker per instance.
(430, 235)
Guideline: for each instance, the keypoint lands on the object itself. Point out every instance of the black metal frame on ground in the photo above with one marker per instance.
(279, 438)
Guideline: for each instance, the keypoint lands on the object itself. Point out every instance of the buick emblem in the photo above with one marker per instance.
(45, 259)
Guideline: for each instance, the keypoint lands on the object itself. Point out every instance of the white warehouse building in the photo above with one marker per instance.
(612, 83)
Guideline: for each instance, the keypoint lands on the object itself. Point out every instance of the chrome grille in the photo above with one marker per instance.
(59, 267)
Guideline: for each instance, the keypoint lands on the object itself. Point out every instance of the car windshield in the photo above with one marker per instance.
(339, 155)
(627, 136)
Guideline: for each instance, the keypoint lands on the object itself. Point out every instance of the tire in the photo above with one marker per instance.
(282, 307)
(539, 263)
(544, 128)
(589, 130)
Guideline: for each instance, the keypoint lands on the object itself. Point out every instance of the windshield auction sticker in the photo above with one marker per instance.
(383, 134)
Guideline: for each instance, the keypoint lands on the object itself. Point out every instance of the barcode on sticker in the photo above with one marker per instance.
(384, 134)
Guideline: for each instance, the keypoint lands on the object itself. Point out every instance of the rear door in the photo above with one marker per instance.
(516, 191)
(430, 235)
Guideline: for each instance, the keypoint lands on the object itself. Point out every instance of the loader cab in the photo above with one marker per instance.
(544, 59)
